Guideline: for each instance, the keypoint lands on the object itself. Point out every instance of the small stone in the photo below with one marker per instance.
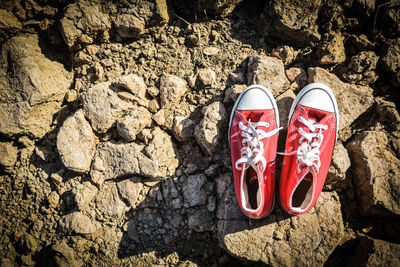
(131, 229)
(83, 194)
(53, 199)
(8, 154)
(82, 23)
(213, 170)
(191, 81)
(269, 72)
(206, 78)
(153, 91)
(154, 106)
(159, 117)
(129, 25)
(161, 151)
(232, 93)
(286, 53)
(375, 171)
(76, 143)
(201, 221)
(130, 189)
(193, 39)
(362, 68)
(176, 203)
(32, 87)
(210, 130)
(71, 96)
(339, 165)
(116, 160)
(183, 128)
(145, 135)
(193, 191)
(297, 77)
(352, 100)
(171, 89)
(297, 19)
(134, 84)
(64, 256)
(102, 106)
(211, 50)
(99, 71)
(133, 122)
(237, 77)
(78, 223)
(27, 243)
(333, 51)
(108, 202)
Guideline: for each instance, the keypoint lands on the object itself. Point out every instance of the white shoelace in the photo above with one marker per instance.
(253, 149)
(308, 152)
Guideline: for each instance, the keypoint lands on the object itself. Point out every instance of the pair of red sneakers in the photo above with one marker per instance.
(253, 138)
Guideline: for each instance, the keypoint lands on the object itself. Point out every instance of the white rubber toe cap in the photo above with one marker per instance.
(319, 99)
(255, 99)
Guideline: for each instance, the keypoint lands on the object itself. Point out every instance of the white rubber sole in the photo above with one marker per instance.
(313, 86)
(270, 96)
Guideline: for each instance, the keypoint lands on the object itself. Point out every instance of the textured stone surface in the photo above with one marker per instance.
(352, 100)
(139, 17)
(32, 87)
(206, 78)
(135, 85)
(78, 223)
(233, 92)
(83, 23)
(133, 122)
(83, 194)
(297, 19)
(195, 190)
(64, 256)
(161, 150)
(210, 130)
(8, 154)
(375, 171)
(307, 239)
(129, 26)
(108, 203)
(102, 106)
(361, 68)
(76, 143)
(374, 252)
(297, 77)
(269, 72)
(171, 89)
(115, 160)
(339, 165)
(332, 50)
(129, 189)
(9, 24)
(183, 128)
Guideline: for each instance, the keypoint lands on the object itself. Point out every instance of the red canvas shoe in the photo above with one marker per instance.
(312, 134)
(253, 139)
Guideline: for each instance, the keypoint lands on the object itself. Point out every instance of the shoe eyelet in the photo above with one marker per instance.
(298, 171)
(283, 163)
(272, 171)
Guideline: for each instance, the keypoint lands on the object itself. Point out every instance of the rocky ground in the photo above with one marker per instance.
(113, 147)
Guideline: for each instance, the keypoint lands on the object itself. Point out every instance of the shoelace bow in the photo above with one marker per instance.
(253, 149)
(308, 152)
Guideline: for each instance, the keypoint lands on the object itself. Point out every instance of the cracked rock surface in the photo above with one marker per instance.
(114, 119)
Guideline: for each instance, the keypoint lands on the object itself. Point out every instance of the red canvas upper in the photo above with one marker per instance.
(266, 178)
(290, 177)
